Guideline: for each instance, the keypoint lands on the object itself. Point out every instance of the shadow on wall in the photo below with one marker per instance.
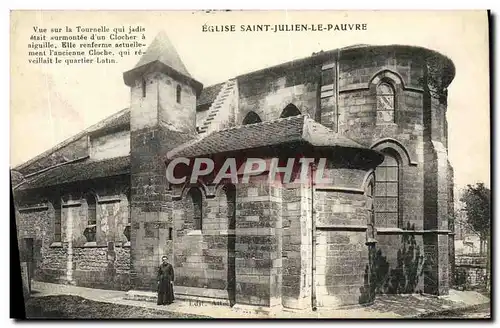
(379, 278)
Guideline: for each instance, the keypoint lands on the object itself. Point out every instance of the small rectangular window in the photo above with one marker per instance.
(170, 230)
(143, 88)
(57, 232)
(57, 222)
(178, 94)
(327, 77)
(197, 200)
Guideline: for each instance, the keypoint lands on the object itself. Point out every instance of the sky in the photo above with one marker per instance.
(52, 102)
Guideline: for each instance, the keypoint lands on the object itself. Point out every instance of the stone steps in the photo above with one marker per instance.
(217, 105)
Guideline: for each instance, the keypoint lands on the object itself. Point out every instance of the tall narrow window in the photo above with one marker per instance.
(385, 103)
(197, 200)
(143, 88)
(90, 231)
(126, 232)
(57, 220)
(387, 193)
(178, 94)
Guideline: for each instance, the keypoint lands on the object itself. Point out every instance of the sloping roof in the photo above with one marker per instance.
(162, 50)
(121, 118)
(78, 171)
(209, 94)
(299, 128)
(322, 56)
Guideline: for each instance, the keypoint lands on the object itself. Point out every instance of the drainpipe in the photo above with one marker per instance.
(337, 71)
(313, 241)
(69, 236)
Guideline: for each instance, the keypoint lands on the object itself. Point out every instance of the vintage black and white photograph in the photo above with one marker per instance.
(251, 164)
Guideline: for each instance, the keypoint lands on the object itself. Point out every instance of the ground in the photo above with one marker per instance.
(482, 311)
(64, 301)
(76, 307)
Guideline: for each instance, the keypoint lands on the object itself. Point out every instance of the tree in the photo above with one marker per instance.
(477, 201)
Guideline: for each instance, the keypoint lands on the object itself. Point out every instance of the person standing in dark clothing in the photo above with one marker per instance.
(165, 282)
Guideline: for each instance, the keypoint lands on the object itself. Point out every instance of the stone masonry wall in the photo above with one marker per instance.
(105, 263)
(258, 243)
(201, 256)
(296, 250)
(176, 116)
(158, 123)
(341, 254)
(359, 73)
(267, 94)
(417, 134)
(472, 271)
(399, 263)
(110, 145)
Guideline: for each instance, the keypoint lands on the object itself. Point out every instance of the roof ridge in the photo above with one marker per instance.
(191, 142)
(203, 136)
(329, 133)
(289, 118)
(162, 49)
(76, 168)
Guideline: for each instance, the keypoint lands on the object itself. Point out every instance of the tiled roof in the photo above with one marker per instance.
(209, 94)
(121, 118)
(78, 171)
(162, 50)
(285, 130)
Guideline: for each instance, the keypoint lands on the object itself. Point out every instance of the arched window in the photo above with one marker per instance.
(90, 231)
(386, 199)
(385, 103)
(197, 200)
(178, 94)
(290, 110)
(251, 118)
(57, 220)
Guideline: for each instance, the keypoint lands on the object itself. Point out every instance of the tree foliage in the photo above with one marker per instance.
(477, 201)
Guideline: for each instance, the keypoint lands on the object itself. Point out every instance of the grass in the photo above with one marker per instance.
(76, 307)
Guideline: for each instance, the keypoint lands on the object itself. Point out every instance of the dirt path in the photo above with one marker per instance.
(76, 307)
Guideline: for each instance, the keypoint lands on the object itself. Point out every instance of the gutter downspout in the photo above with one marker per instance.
(313, 241)
(337, 70)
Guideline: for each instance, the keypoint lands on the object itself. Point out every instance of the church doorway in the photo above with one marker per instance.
(28, 256)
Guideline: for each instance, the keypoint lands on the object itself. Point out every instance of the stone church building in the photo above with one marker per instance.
(97, 210)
